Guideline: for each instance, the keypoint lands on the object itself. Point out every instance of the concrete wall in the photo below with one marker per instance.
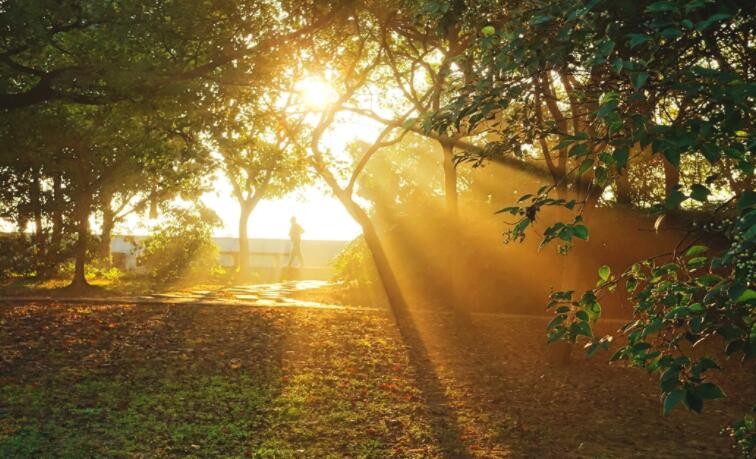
(265, 254)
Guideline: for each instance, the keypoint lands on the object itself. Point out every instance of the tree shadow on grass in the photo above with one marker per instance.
(137, 380)
(443, 418)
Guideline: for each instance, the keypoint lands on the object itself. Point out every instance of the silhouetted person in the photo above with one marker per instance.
(295, 234)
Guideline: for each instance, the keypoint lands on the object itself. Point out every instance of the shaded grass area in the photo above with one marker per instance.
(125, 285)
(231, 381)
(204, 381)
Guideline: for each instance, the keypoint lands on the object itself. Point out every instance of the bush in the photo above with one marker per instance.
(355, 273)
(182, 246)
(17, 258)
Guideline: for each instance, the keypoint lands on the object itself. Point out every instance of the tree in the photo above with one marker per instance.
(90, 52)
(661, 80)
(259, 161)
(353, 63)
(91, 153)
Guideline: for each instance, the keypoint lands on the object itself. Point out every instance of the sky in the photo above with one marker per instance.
(322, 216)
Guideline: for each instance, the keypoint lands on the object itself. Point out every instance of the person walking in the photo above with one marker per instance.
(295, 234)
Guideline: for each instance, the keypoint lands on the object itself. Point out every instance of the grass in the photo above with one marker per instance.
(230, 381)
(129, 284)
(207, 382)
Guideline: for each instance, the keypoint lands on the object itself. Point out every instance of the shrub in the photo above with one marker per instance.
(17, 256)
(182, 246)
(356, 275)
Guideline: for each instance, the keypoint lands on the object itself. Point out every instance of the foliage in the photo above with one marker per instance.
(117, 94)
(181, 246)
(17, 256)
(354, 266)
(96, 271)
(93, 52)
(601, 88)
(356, 278)
(743, 433)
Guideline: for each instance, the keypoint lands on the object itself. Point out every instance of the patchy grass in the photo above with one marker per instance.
(126, 285)
(231, 381)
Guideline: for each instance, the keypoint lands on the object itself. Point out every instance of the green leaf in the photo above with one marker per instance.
(697, 262)
(693, 402)
(582, 328)
(594, 310)
(587, 164)
(638, 79)
(672, 399)
(578, 150)
(696, 250)
(488, 30)
(604, 272)
(581, 232)
(541, 19)
(747, 200)
(709, 391)
(621, 156)
(678, 312)
(706, 364)
(674, 199)
(556, 321)
(554, 335)
(747, 295)
(706, 23)
(673, 156)
(711, 153)
(617, 64)
(707, 280)
(604, 49)
(637, 39)
(660, 7)
(699, 193)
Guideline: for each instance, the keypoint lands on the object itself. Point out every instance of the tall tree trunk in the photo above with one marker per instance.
(57, 215)
(36, 207)
(83, 208)
(246, 211)
(452, 248)
(108, 223)
(383, 266)
(450, 180)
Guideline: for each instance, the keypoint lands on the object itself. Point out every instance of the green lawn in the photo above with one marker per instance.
(230, 381)
(223, 381)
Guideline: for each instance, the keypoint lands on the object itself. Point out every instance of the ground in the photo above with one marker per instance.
(213, 379)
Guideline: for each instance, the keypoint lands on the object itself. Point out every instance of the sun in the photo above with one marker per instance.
(316, 93)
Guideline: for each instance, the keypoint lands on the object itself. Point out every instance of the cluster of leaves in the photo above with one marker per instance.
(527, 208)
(181, 246)
(668, 79)
(354, 267)
(679, 301)
(17, 256)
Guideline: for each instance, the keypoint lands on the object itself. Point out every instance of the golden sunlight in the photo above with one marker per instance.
(316, 93)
